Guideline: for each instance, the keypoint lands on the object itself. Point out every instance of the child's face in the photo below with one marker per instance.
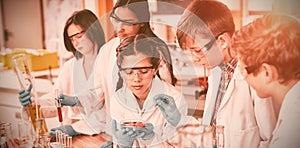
(257, 81)
(138, 73)
(205, 50)
(197, 54)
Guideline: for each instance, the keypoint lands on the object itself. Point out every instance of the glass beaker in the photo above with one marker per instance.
(25, 134)
(7, 140)
(195, 136)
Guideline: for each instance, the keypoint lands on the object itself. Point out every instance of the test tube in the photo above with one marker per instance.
(220, 136)
(62, 135)
(69, 142)
(65, 139)
(59, 114)
(58, 105)
(57, 135)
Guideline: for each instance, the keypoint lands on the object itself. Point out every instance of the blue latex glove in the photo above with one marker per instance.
(24, 96)
(168, 108)
(67, 129)
(125, 136)
(146, 132)
(68, 100)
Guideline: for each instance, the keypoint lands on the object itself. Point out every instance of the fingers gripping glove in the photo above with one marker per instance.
(168, 108)
(68, 100)
(24, 96)
(107, 144)
(125, 136)
(67, 129)
(146, 132)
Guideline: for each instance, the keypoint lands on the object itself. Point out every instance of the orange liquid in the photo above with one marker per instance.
(133, 124)
(32, 113)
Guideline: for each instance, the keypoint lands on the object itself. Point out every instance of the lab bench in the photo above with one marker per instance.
(10, 107)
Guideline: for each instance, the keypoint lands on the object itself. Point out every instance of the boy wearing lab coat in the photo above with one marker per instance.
(269, 53)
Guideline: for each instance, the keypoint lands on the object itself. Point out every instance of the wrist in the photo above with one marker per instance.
(76, 100)
(149, 136)
(120, 146)
(127, 145)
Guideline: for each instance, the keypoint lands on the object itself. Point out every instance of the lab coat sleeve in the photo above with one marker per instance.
(89, 101)
(266, 117)
(99, 74)
(63, 84)
(59, 85)
(185, 119)
(47, 101)
(91, 109)
(183, 108)
(91, 124)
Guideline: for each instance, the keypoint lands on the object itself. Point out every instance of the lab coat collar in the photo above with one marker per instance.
(231, 86)
(290, 98)
(126, 97)
(80, 77)
(214, 81)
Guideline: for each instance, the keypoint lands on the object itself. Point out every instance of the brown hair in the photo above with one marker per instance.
(89, 22)
(209, 18)
(141, 9)
(137, 44)
(273, 39)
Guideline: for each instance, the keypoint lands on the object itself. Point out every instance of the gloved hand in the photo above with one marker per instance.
(24, 96)
(67, 129)
(68, 100)
(168, 108)
(107, 144)
(125, 136)
(145, 132)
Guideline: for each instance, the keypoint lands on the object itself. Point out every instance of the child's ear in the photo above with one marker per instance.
(270, 72)
(224, 41)
(155, 72)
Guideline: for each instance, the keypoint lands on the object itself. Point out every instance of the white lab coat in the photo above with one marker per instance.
(88, 117)
(287, 131)
(106, 76)
(247, 119)
(124, 106)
